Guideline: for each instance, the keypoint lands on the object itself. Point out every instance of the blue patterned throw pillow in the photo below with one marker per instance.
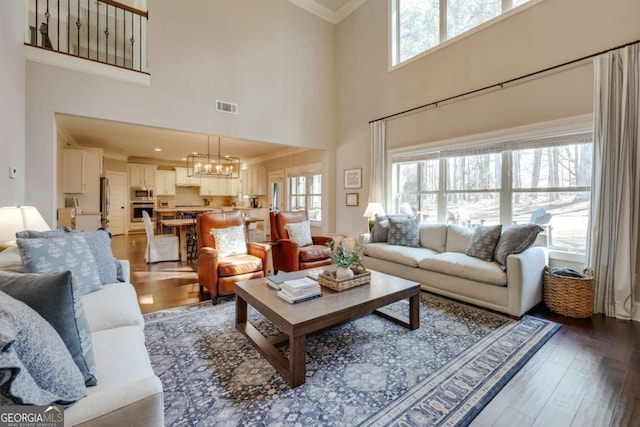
(58, 254)
(35, 366)
(516, 239)
(484, 241)
(404, 232)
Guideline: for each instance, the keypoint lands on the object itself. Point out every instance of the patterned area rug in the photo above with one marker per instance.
(368, 372)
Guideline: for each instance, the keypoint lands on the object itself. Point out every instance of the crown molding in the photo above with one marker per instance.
(327, 14)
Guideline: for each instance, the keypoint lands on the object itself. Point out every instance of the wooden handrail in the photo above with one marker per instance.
(125, 7)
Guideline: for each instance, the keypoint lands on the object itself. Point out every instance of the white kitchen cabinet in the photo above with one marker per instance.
(254, 181)
(219, 187)
(142, 175)
(182, 180)
(73, 171)
(165, 183)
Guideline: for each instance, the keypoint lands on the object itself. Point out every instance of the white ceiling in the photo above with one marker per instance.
(138, 142)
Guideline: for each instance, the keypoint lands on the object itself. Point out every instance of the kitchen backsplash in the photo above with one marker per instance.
(190, 196)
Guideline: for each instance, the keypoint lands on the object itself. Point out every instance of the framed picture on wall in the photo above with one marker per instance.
(352, 199)
(353, 178)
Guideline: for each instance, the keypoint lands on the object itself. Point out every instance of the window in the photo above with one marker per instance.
(305, 193)
(545, 180)
(419, 25)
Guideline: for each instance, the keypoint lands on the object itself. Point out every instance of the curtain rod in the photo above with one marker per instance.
(501, 84)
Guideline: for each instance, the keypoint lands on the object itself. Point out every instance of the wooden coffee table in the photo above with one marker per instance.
(297, 321)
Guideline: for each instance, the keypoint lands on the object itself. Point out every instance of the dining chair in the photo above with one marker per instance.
(163, 247)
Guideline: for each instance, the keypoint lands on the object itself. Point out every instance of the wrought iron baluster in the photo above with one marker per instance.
(133, 40)
(88, 30)
(97, 31)
(68, 26)
(78, 25)
(140, 43)
(36, 41)
(58, 25)
(106, 35)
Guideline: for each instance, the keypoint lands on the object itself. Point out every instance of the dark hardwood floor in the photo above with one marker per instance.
(588, 373)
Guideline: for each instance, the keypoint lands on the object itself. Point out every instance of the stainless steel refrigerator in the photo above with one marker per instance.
(104, 201)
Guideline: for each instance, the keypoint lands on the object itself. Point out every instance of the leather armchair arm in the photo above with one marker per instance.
(286, 255)
(321, 240)
(208, 269)
(262, 251)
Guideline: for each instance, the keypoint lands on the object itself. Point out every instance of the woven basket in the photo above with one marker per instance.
(360, 277)
(569, 296)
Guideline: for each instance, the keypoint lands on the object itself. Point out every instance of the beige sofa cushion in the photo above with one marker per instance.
(433, 236)
(10, 260)
(399, 254)
(458, 238)
(461, 265)
(128, 392)
(113, 306)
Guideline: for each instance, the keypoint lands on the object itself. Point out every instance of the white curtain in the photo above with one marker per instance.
(615, 208)
(377, 191)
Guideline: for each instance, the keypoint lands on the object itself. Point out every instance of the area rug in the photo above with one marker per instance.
(368, 372)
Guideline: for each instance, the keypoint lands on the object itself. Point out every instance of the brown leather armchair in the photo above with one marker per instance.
(289, 256)
(217, 273)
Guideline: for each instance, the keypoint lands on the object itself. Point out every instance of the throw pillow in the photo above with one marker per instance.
(515, 239)
(380, 232)
(100, 244)
(33, 234)
(484, 241)
(300, 233)
(35, 366)
(230, 241)
(70, 252)
(54, 298)
(403, 232)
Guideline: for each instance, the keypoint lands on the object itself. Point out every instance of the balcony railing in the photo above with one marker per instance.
(105, 31)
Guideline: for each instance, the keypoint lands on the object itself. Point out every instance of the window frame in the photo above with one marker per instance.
(307, 171)
(508, 139)
(394, 29)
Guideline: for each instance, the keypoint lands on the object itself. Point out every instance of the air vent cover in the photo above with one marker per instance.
(226, 107)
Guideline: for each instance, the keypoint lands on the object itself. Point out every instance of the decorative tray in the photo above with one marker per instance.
(328, 280)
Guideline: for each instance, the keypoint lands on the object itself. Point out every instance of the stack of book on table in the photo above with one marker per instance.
(276, 281)
(298, 290)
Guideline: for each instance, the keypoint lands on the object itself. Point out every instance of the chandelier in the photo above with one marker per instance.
(212, 165)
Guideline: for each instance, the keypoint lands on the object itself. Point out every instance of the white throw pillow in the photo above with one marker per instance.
(230, 241)
(300, 233)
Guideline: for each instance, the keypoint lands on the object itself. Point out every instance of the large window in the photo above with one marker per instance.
(544, 180)
(304, 192)
(419, 25)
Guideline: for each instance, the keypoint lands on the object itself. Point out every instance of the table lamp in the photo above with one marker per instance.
(19, 218)
(372, 210)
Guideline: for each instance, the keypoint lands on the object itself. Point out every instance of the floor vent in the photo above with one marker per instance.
(226, 107)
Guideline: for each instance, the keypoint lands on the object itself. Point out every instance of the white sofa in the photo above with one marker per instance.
(441, 266)
(128, 392)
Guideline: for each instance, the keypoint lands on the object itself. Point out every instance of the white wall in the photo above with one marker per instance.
(12, 102)
(549, 33)
(272, 58)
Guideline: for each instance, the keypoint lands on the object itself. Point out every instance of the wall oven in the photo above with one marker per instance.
(138, 207)
(142, 194)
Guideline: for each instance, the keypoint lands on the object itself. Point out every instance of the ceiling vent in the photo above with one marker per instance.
(226, 107)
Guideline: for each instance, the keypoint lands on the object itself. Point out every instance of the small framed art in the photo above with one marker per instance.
(353, 178)
(352, 199)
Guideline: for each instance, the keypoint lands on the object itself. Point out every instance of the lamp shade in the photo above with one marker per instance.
(19, 218)
(373, 209)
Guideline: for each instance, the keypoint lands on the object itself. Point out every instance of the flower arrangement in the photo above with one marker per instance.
(345, 257)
